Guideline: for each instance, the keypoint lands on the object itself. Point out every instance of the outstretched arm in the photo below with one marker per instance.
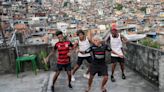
(71, 47)
(75, 45)
(50, 54)
(109, 49)
(124, 39)
(87, 51)
(90, 36)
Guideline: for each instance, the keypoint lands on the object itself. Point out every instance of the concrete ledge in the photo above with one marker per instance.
(146, 61)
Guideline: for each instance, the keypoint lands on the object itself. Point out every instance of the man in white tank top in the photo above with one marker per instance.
(116, 40)
(83, 44)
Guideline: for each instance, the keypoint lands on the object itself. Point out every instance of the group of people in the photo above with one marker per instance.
(94, 52)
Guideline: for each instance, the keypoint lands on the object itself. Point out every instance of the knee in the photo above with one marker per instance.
(105, 77)
(57, 73)
(121, 64)
(69, 72)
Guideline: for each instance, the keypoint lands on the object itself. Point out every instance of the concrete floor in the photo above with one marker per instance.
(28, 82)
(133, 83)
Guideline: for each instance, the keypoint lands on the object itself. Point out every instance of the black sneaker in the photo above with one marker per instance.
(52, 89)
(104, 90)
(123, 76)
(112, 79)
(70, 86)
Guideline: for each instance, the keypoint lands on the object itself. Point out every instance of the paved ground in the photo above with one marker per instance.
(28, 82)
(133, 83)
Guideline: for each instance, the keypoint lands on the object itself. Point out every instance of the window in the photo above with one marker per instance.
(41, 29)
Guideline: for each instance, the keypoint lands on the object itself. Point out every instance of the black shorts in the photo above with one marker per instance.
(66, 67)
(101, 69)
(117, 59)
(81, 59)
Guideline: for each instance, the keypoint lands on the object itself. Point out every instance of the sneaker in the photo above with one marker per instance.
(70, 86)
(86, 76)
(113, 79)
(52, 88)
(73, 78)
(104, 90)
(123, 76)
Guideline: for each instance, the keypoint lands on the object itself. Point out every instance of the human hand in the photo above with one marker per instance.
(82, 52)
(77, 50)
(45, 60)
(68, 54)
(121, 56)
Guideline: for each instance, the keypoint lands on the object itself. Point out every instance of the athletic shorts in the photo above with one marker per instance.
(81, 59)
(66, 67)
(117, 59)
(101, 69)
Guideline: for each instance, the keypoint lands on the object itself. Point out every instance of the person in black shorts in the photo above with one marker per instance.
(116, 41)
(98, 64)
(83, 44)
(63, 62)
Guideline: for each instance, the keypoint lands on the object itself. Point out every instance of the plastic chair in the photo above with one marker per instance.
(22, 59)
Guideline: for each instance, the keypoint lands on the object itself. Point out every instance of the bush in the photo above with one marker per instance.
(143, 9)
(150, 43)
(119, 7)
(42, 55)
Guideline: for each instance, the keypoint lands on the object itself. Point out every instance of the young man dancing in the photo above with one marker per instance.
(83, 44)
(63, 47)
(98, 64)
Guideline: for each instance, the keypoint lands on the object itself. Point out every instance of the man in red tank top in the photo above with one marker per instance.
(63, 47)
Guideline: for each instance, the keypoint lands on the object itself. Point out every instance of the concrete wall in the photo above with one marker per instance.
(7, 60)
(148, 62)
(32, 49)
(8, 57)
(161, 72)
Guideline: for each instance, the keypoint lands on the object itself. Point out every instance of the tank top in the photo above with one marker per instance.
(116, 45)
(84, 45)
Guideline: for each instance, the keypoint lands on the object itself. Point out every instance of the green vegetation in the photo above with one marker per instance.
(118, 7)
(43, 54)
(150, 43)
(143, 9)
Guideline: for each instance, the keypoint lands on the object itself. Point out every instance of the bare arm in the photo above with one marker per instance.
(75, 44)
(121, 56)
(86, 51)
(89, 37)
(124, 39)
(50, 54)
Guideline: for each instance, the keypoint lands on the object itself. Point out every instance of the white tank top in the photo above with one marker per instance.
(84, 45)
(116, 45)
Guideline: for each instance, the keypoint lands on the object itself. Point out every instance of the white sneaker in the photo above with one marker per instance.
(73, 78)
(86, 76)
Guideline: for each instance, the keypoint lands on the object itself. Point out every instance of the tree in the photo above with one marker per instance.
(143, 9)
(118, 6)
